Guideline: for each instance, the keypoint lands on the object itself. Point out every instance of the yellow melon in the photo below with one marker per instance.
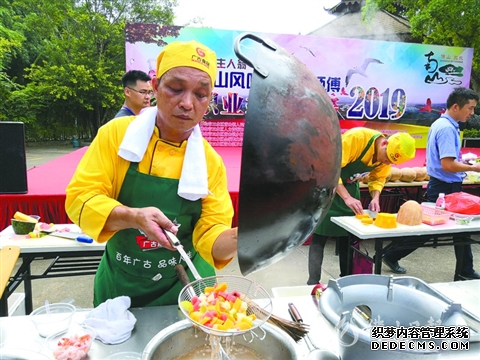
(22, 217)
(386, 221)
(367, 220)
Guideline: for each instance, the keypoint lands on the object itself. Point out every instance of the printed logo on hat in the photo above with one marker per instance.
(394, 157)
(200, 52)
(201, 61)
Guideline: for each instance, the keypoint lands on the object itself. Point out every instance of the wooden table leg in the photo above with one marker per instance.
(8, 258)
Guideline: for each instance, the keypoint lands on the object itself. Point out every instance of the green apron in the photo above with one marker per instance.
(147, 276)
(338, 207)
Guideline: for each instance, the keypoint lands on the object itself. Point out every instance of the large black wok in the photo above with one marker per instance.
(291, 155)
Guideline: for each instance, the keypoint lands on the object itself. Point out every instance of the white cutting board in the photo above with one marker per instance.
(9, 238)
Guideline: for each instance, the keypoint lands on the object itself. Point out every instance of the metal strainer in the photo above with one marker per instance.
(257, 298)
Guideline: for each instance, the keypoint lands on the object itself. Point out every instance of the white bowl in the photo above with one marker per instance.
(53, 318)
(75, 341)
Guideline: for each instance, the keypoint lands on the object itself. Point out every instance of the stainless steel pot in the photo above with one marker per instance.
(180, 338)
(390, 304)
(291, 155)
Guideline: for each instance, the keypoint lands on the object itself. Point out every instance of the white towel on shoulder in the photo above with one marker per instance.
(137, 136)
(193, 184)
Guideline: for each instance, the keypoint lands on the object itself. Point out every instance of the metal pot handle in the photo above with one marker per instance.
(265, 42)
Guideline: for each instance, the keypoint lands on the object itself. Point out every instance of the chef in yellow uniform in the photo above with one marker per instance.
(154, 171)
(363, 151)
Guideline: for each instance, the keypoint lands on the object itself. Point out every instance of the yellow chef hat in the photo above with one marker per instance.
(400, 148)
(191, 54)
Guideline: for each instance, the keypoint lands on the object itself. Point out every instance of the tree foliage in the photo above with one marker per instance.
(61, 61)
(10, 44)
(440, 22)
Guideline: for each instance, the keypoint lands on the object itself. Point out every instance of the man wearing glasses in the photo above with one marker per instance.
(137, 90)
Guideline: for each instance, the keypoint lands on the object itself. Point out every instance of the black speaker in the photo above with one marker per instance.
(13, 162)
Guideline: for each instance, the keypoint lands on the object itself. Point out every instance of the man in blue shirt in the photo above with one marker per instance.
(446, 170)
(138, 92)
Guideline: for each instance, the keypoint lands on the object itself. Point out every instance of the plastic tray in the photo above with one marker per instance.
(432, 216)
(452, 214)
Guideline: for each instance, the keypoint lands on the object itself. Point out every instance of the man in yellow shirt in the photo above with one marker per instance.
(363, 151)
(152, 172)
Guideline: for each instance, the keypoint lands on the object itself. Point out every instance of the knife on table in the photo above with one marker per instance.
(72, 236)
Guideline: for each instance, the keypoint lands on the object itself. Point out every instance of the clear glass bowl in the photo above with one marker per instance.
(52, 318)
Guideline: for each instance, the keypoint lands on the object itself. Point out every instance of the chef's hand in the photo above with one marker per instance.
(374, 206)
(354, 204)
(150, 220)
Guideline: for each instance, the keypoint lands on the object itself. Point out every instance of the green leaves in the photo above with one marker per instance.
(61, 61)
(440, 22)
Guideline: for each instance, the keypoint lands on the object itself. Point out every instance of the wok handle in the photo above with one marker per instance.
(265, 42)
(182, 274)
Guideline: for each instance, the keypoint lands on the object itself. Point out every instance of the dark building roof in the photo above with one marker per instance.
(349, 24)
(346, 6)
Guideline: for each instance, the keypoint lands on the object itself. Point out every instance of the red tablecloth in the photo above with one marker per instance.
(46, 191)
(47, 184)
